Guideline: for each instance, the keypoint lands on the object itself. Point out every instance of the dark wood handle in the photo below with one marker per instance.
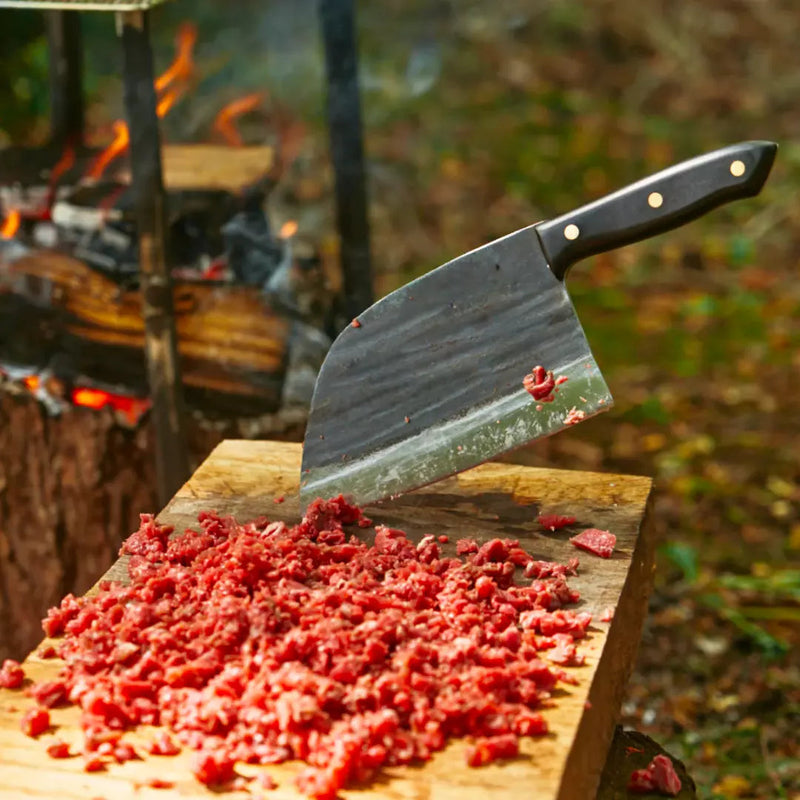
(656, 204)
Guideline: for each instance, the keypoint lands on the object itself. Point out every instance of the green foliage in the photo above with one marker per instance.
(684, 557)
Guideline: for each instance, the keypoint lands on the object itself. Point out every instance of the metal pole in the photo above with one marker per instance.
(163, 369)
(347, 150)
(66, 77)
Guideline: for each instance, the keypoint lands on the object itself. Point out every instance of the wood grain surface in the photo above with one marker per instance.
(229, 339)
(243, 478)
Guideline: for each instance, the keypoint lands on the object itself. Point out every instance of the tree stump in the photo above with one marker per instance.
(71, 489)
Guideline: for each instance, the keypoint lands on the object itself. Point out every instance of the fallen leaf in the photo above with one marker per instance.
(732, 786)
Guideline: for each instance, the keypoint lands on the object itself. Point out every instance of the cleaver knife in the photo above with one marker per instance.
(431, 379)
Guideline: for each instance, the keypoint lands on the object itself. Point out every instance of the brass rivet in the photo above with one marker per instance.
(572, 232)
(737, 168)
(654, 200)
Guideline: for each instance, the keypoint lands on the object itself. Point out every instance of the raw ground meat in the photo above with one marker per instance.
(574, 416)
(593, 540)
(11, 674)
(263, 643)
(658, 776)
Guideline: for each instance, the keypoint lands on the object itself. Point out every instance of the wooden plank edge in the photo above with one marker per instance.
(592, 741)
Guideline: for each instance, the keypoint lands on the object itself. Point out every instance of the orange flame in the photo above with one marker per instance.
(67, 161)
(182, 67)
(223, 122)
(166, 103)
(288, 229)
(11, 225)
(119, 145)
(31, 381)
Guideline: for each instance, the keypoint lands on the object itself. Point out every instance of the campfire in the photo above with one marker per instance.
(252, 299)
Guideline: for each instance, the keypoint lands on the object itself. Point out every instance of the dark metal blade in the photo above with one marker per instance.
(430, 382)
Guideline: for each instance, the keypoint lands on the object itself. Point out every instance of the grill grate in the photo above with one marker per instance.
(83, 5)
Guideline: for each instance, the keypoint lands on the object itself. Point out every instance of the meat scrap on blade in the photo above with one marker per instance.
(265, 642)
(540, 384)
(658, 776)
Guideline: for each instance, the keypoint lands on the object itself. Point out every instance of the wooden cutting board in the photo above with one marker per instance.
(243, 478)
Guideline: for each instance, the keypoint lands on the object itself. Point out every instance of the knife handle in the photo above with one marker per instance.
(656, 204)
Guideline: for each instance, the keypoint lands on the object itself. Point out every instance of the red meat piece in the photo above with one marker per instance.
(549, 569)
(57, 618)
(492, 748)
(11, 674)
(49, 693)
(163, 745)
(35, 721)
(593, 540)
(159, 783)
(151, 538)
(658, 776)
(94, 764)
(213, 768)
(124, 752)
(466, 546)
(554, 522)
(539, 383)
(495, 550)
(58, 749)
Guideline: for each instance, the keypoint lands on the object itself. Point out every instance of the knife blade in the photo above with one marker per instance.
(428, 381)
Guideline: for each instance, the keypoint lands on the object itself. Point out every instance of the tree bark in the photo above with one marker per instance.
(71, 489)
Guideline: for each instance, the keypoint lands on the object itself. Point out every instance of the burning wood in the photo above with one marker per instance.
(251, 304)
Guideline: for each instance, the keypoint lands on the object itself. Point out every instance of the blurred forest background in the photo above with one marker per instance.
(485, 116)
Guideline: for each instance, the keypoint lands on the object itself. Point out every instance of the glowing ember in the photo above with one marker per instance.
(223, 123)
(91, 398)
(182, 68)
(132, 408)
(288, 229)
(118, 146)
(11, 225)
